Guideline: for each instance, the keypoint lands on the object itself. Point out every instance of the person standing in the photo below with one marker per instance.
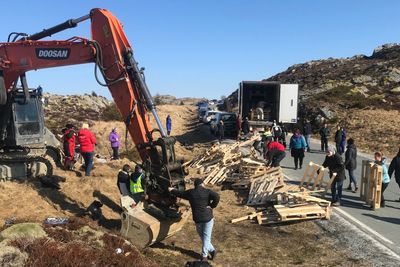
(275, 153)
(297, 147)
(69, 146)
(246, 126)
(381, 161)
(257, 143)
(343, 142)
(276, 132)
(115, 143)
(136, 181)
(202, 202)
(350, 163)
(238, 125)
(394, 167)
(123, 180)
(324, 132)
(338, 139)
(307, 134)
(168, 123)
(334, 162)
(87, 141)
(221, 130)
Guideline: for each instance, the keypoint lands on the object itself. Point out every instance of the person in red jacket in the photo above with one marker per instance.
(87, 141)
(69, 146)
(275, 153)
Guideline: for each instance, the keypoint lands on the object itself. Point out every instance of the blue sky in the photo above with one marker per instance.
(205, 48)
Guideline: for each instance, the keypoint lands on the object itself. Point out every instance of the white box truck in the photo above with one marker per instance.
(264, 102)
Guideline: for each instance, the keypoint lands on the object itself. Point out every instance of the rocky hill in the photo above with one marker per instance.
(356, 82)
(75, 109)
(361, 93)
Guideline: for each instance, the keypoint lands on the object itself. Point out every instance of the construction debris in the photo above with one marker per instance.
(274, 199)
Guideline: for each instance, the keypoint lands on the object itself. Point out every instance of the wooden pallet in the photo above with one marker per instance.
(308, 212)
(313, 178)
(371, 184)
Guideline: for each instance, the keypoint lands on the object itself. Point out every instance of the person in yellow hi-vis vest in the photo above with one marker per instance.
(135, 184)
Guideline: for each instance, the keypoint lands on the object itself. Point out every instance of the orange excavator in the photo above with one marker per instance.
(159, 216)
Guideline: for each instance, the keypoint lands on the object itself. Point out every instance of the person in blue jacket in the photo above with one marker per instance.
(381, 161)
(169, 124)
(297, 147)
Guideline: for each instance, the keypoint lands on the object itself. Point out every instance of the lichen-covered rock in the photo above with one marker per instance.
(23, 230)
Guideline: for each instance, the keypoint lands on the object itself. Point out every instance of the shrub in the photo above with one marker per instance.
(111, 113)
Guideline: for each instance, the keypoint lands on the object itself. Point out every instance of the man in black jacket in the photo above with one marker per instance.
(335, 164)
(394, 167)
(307, 131)
(202, 202)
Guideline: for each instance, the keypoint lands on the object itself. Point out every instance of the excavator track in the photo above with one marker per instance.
(30, 162)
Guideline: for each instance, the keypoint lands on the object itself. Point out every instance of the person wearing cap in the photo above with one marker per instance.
(87, 141)
(202, 202)
(380, 160)
(123, 180)
(136, 180)
(334, 162)
(115, 143)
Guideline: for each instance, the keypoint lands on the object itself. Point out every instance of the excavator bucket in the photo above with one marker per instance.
(145, 225)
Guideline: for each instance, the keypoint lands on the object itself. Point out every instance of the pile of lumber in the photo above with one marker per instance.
(274, 200)
(222, 161)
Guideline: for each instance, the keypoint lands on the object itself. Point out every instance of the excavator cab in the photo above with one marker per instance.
(22, 121)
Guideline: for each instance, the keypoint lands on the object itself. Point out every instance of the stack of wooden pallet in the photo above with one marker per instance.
(222, 161)
(277, 201)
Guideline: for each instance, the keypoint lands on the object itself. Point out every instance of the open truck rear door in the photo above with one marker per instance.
(288, 103)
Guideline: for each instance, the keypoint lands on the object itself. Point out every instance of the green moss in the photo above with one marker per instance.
(23, 230)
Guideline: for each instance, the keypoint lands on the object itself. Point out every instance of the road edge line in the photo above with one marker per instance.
(343, 214)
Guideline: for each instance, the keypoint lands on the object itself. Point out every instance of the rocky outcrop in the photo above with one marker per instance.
(362, 80)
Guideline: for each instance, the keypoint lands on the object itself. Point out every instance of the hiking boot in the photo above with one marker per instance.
(349, 188)
(355, 190)
(212, 255)
(336, 204)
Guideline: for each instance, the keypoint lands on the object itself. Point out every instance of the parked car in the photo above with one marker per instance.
(209, 116)
(229, 120)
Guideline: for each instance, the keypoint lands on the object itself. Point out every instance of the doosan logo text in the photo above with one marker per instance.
(52, 53)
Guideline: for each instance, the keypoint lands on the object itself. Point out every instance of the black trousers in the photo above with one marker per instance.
(324, 144)
(115, 152)
(276, 157)
(384, 186)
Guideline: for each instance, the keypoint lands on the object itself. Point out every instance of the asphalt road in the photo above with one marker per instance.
(382, 224)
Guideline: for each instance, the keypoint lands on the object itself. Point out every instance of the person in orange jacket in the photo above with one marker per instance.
(87, 141)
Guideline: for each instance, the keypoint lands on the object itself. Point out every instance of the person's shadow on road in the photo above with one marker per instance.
(385, 219)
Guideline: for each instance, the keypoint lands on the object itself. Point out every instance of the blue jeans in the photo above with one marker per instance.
(205, 231)
(336, 189)
(88, 158)
(352, 178)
